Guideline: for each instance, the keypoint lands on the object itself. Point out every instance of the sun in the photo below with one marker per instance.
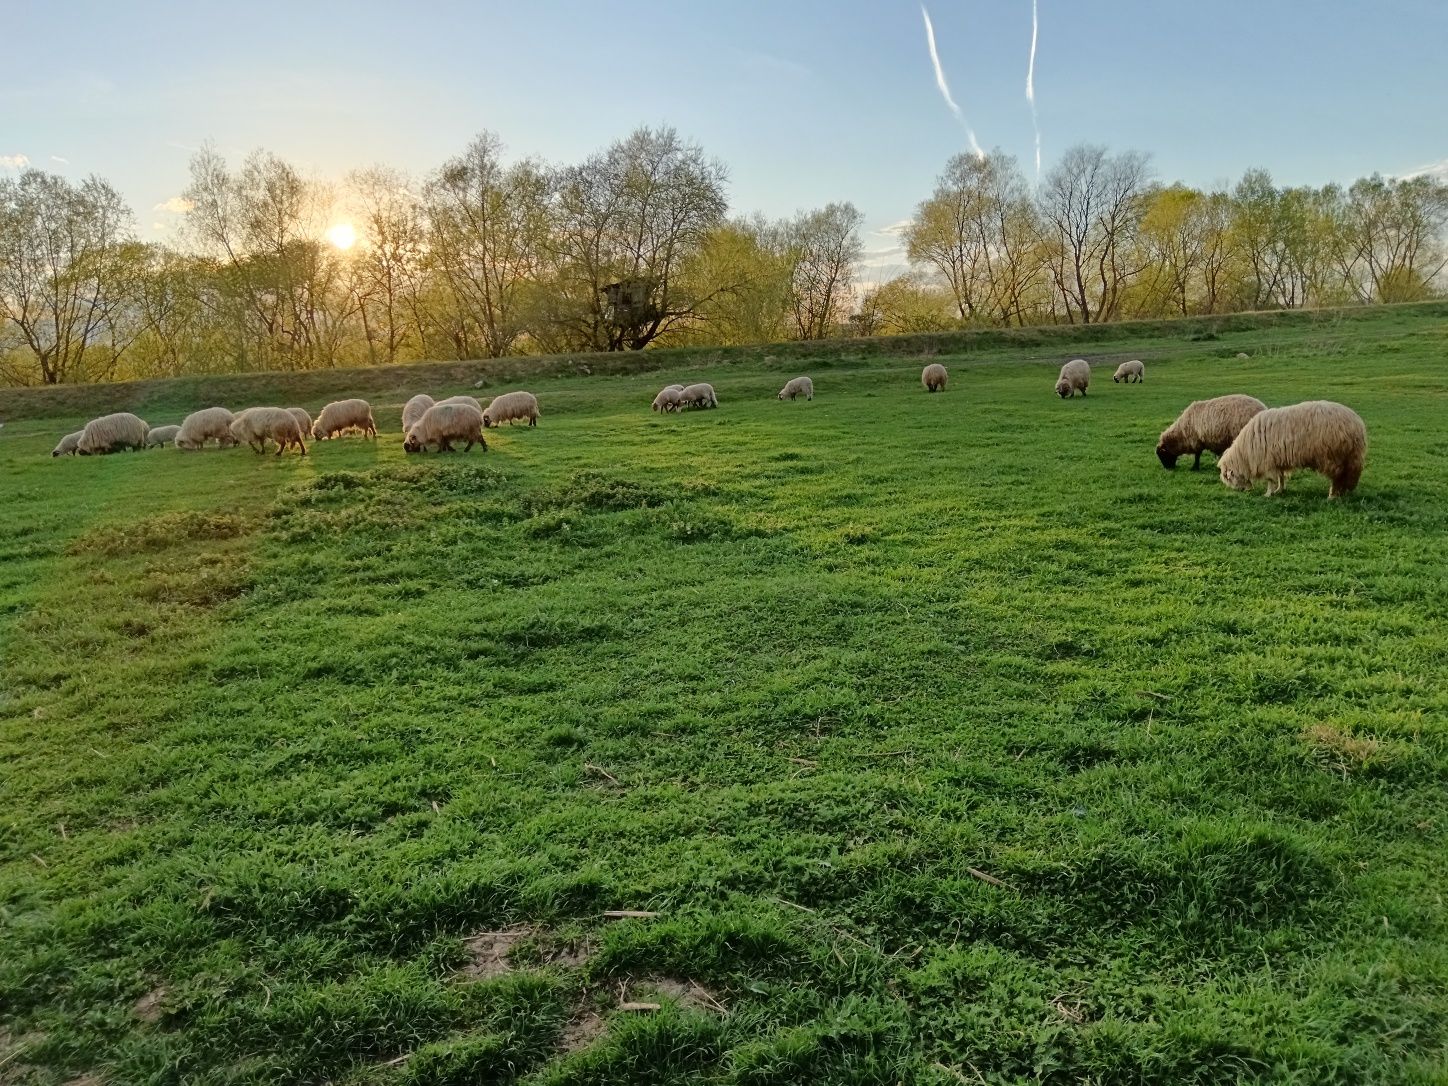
(343, 235)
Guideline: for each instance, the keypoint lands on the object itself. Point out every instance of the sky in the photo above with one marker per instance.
(806, 101)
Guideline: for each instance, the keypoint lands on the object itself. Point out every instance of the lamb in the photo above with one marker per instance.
(414, 409)
(510, 406)
(304, 420)
(800, 386)
(1206, 426)
(699, 395)
(669, 399)
(68, 444)
(933, 377)
(341, 415)
(1327, 437)
(208, 424)
(161, 435)
(257, 425)
(444, 423)
(1075, 376)
(111, 433)
(1128, 370)
(468, 400)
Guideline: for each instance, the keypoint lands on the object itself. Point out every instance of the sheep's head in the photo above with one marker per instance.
(1235, 479)
(410, 443)
(781, 395)
(1167, 454)
(487, 420)
(1063, 389)
(1116, 378)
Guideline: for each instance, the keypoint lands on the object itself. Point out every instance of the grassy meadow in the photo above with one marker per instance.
(942, 738)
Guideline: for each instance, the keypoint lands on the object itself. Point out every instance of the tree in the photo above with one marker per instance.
(67, 274)
(978, 231)
(388, 263)
(908, 303)
(488, 226)
(744, 272)
(1091, 204)
(1392, 237)
(824, 247)
(625, 221)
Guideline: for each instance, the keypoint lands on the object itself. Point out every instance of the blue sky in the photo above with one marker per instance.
(807, 101)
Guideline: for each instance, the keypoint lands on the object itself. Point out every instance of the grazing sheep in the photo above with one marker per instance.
(1327, 437)
(157, 436)
(800, 386)
(341, 415)
(510, 406)
(304, 420)
(468, 400)
(414, 409)
(699, 395)
(676, 388)
(112, 433)
(258, 425)
(1129, 370)
(669, 399)
(208, 424)
(933, 377)
(444, 423)
(1075, 376)
(1206, 426)
(68, 444)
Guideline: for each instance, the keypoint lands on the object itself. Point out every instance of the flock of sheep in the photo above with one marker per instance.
(1251, 441)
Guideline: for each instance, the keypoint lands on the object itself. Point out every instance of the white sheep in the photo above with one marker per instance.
(1206, 426)
(68, 444)
(258, 425)
(466, 400)
(444, 423)
(111, 433)
(414, 409)
(1130, 372)
(1327, 437)
(699, 395)
(341, 415)
(799, 386)
(933, 377)
(304, 420)
(1075, 376)
(208, 424)
(157, 436)
(512, 406)
(670, 398)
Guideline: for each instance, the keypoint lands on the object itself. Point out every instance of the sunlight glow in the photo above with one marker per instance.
(342, 235)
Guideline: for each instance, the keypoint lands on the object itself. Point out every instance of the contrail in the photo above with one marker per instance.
(1031, 87)
(945, 87)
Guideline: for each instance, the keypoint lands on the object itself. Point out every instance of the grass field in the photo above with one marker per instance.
(949, 738)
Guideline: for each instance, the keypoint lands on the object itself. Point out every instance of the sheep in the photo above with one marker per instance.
(257, 425)
(1075, 376)
(444, 423)
(1327, 437)
(161, 435)
(68, 444)
(208, 424)
(304, 420)
(1127, 370)
(800, 386)
(699, 395)
(1206, 426)
(414, 409)
(669, 399)
(342, 415)
(468, 400)
(933, 377)
(111, 433)
(510, 406)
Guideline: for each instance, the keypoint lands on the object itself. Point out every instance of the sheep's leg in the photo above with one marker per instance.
(1197, 461)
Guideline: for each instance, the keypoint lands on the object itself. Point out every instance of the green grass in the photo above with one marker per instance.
(280, 737)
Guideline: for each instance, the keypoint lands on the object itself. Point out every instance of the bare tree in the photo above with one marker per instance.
(1091, 204)
(1392, 237)
(625, 221)
(388, 265)
(825, 247)
(67, 274)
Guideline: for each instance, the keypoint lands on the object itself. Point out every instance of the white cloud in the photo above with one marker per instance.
(14, 162)
(1438, 170)
(895, 229)
(177, 205)
(62, 161)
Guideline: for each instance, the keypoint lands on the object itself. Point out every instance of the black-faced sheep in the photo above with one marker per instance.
(933, 377)
(1206, 426)
(1326, 437)
(68, 444)
(444, 423)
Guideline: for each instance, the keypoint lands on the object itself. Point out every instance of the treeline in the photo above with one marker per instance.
(635, 246)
